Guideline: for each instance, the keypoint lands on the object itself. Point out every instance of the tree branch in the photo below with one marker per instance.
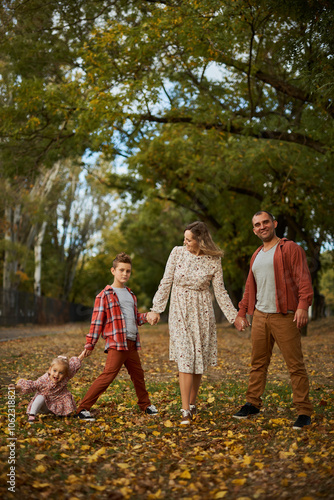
(292, 137)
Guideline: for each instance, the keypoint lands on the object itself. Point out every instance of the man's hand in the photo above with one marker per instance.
(301, 316)
(153, 318)
(241, 323)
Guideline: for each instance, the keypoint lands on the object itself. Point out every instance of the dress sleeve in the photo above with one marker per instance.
(221, 294)
(27, 386)
(75, 364)
(161, 296)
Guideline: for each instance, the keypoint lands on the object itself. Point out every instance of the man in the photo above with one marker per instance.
(278, 293)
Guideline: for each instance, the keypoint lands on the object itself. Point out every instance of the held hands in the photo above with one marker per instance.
(241, 323)
(85, 353)
(153, 318)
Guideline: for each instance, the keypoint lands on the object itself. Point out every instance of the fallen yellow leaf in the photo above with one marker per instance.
(220, 494)
(185, 474)
(168, 423)
(308, 460)
(97, 487)
(40, 456)
(39, 486)
(285, 454)
(100, 452)
(126, 492)
(239, 482)
(123, 466)
(40, 469)
(72, 479)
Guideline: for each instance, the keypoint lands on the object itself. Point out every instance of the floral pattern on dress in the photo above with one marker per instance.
(57, 397)
(192, 324)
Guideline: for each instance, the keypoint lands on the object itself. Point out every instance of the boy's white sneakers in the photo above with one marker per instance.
(85, 415)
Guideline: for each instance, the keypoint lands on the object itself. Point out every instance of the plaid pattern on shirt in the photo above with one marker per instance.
(108, 321)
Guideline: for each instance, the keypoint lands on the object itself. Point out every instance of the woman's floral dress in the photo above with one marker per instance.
(57, 397)
(192, 325)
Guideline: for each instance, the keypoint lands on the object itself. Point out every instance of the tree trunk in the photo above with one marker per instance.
(10, 266)
(38, 260)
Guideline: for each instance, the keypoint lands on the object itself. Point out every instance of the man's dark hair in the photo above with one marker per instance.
(264, 212)
(121, 257)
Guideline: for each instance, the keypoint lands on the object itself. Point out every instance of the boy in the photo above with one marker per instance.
(116, 318)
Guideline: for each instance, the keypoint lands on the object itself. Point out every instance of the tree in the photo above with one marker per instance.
(220, 106)
(259, 134)
(327, 280)
(39, 99)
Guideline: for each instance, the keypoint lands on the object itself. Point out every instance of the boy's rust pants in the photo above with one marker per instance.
(115, 360)
(280, 328)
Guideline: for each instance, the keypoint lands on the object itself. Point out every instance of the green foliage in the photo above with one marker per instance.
(220, 107)
(327, 279)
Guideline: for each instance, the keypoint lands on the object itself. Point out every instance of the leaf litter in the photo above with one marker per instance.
(126, 454)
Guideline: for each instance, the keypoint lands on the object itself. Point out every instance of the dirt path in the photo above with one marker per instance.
(26, 331)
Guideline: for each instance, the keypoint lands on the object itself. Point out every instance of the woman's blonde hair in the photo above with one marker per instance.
(204, 239)
(61, 360)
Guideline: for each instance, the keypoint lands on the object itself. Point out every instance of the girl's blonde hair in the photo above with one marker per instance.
(204, 239)
(61, 360)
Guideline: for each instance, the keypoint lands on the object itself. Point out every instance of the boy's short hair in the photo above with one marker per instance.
(121, 257)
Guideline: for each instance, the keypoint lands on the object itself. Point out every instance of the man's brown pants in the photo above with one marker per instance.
(280, 328)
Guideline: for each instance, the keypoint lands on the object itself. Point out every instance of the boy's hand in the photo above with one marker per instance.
(153, 318)
(87, 352)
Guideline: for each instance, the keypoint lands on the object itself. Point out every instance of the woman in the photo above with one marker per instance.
(192, 327)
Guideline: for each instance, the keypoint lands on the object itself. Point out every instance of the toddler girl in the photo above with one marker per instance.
(52, 395)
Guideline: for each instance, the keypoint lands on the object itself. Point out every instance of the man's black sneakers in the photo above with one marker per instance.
(301, 421)
(246, 410)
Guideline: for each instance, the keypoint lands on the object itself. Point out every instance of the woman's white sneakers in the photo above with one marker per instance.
(186, 417)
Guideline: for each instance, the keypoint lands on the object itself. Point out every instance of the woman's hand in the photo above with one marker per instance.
(241, 323)
(153, 318)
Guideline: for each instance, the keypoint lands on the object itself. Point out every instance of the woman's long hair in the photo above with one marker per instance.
(204, 239)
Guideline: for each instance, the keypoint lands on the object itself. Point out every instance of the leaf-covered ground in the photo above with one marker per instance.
(126, 454)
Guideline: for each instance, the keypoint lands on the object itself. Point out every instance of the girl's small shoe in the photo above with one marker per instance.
(193, 410)
(31, 419)
(186, 417)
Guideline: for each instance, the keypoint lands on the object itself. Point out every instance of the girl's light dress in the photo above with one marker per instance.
(58, 398)
(192, 325)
